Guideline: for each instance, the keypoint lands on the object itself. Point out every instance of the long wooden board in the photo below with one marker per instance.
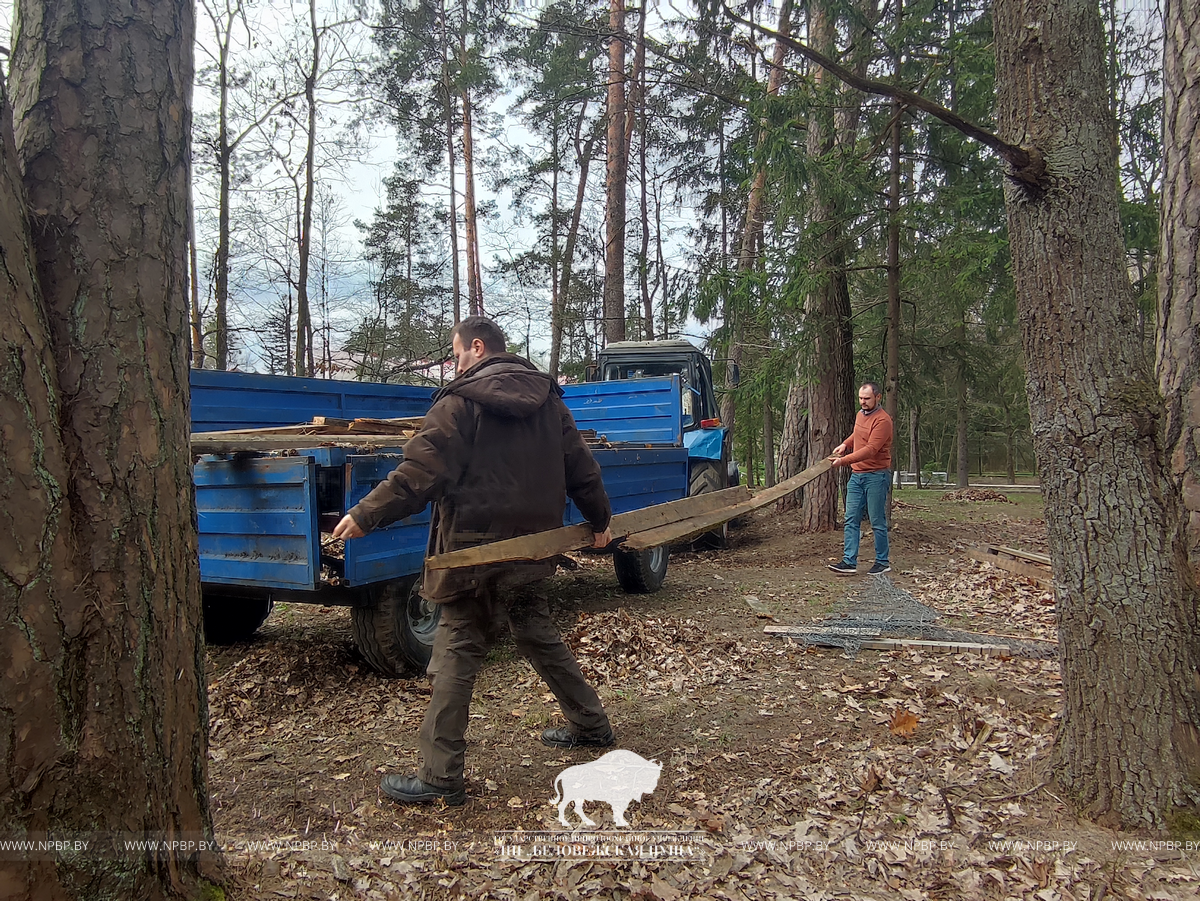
(891, 644)
(543, 545)
(693, 525)
(1023, 555)
(650, 527)
(1039, 574)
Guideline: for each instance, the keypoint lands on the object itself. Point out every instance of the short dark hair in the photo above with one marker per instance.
(874, 386)
(492, 336)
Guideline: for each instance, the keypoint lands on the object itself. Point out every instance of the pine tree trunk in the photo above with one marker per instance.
(768, 442)
(558, 315)
(793, 443)
(962, 463)
(196, 320)
(452, 169)
(831, 410)
(618, 161)
(221, 264)
(1179, 261)
(102, 694)
(1128, 744)
(303, 311)
(914, 444)
(894, 319)
(470, 219)
(753, 231)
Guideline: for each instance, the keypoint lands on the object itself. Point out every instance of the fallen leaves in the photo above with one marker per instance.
(903, 723)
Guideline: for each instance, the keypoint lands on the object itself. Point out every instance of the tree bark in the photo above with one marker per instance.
(303, 312)
(558, 315)
(962, 462)
(470, 219)
(831, 414)
(768, 442)
(793, 443)
(196, 320)
(618, 163)
(753, 229)
(102, 694)
(224, 175)
(894, 319)
(452, 206)
(1178, 347)
(914, 444)
(1128, 744)
(643, 137)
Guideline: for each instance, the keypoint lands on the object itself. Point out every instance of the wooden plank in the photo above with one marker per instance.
(387, 426)
(891, 644)
(331, 421)
(1029, 571)
(240, 442)
(681, 529)
(543, 545)
(305, 428)
(1023, 555)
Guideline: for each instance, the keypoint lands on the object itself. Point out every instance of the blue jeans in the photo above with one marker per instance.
(869, 489)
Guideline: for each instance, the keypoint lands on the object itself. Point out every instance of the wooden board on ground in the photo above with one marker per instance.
(695, 525)
(543, 545)
(891, 644)
(1040, 574)
(1021, 555)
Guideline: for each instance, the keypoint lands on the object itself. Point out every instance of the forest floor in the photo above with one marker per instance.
(787, 771)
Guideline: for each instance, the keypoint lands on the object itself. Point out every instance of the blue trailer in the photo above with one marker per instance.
(261, 516)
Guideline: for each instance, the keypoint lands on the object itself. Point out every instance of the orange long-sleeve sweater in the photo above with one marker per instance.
(869, 447)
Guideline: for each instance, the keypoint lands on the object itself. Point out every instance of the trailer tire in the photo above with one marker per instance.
(229, 619)
(394, 631)
(706, 478)
(642, 572)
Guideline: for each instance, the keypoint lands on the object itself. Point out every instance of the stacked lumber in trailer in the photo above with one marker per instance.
(1022, 563)
(649, 527)
(322, 431)
(327, 431)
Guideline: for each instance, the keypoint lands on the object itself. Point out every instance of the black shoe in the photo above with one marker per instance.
(411, 790)
(843, 568)
(563, 737)
(879, 569)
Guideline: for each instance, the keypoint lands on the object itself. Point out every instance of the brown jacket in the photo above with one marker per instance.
(499, 452)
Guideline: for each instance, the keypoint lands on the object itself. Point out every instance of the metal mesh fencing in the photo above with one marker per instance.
(880, 609)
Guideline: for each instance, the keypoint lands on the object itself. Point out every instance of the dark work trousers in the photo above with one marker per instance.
(469, 627)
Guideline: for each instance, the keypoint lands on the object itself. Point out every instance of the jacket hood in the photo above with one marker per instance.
(505, 385)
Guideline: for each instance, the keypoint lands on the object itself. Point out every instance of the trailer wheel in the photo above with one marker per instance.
(229, 619)
(705, 478)
(641, 572)
(394, 632)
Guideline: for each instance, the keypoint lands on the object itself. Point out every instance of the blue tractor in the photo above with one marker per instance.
(710, 463)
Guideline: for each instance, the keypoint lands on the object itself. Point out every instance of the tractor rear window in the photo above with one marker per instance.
(616, 371)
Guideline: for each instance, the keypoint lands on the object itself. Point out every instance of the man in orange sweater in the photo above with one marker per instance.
(868, 453)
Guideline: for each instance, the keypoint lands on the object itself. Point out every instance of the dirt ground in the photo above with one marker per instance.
(786, 771)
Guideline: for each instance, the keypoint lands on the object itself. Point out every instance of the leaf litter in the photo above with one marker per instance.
(800, 773)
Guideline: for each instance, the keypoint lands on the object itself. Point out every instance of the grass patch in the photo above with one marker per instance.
(927, 505)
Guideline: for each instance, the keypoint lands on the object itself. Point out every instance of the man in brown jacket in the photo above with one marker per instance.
(499, 453)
